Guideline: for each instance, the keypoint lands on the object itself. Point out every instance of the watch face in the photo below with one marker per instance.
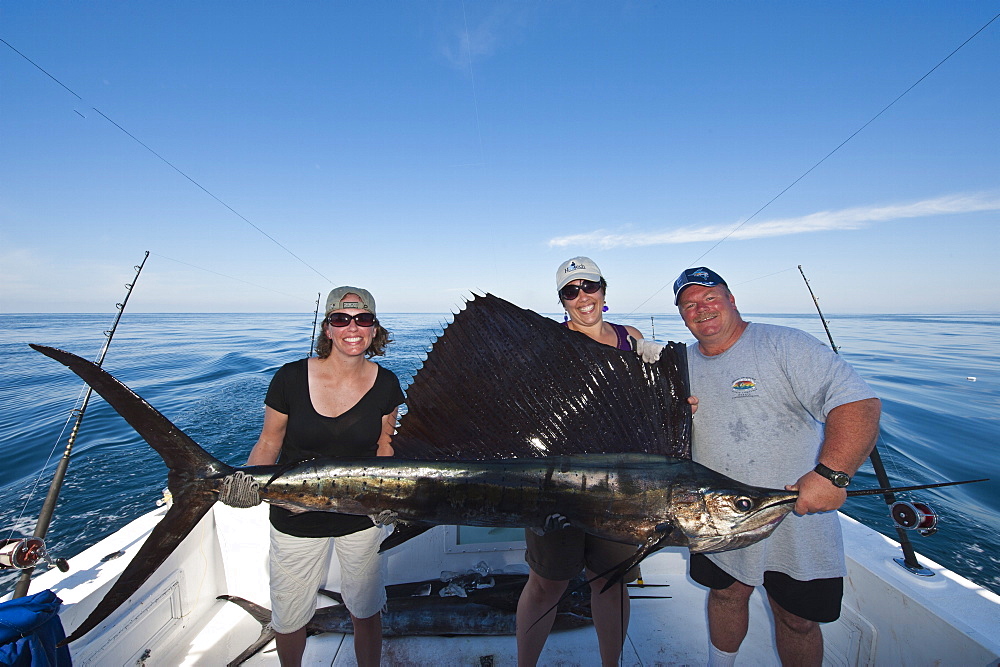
(836, 477)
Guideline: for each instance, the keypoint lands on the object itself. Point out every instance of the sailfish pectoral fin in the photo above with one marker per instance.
(180, 519)
(403, 531)
(617, 572)
(654, 542)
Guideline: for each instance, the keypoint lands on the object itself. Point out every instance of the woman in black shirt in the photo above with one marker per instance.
(339, 403)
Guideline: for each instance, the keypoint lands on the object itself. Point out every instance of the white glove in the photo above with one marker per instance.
(648, 350)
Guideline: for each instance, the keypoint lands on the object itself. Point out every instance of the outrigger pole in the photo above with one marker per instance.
(909, 555)
(49, 506)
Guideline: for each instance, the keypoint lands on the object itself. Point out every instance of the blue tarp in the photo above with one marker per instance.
(29, 631)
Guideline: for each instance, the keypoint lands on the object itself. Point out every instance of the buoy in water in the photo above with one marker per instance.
(914, 516)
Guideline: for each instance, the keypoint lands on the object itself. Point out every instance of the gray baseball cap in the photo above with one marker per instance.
(335, 301)
(578, 268)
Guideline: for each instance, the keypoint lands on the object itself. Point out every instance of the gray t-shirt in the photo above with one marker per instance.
(761, 408)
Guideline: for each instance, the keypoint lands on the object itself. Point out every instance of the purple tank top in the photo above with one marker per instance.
(623, 338)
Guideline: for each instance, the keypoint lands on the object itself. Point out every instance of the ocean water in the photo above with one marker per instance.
(938, 377)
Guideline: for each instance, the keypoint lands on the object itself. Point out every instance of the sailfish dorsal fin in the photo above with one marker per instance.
(505, 382)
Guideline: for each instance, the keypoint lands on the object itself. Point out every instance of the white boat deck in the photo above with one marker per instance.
(890, 617)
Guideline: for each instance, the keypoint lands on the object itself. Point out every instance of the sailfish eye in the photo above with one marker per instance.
(743, 504)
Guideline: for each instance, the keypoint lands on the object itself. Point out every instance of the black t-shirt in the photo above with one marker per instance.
(311, 435)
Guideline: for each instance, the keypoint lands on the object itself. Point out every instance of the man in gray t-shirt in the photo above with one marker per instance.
(776, 408)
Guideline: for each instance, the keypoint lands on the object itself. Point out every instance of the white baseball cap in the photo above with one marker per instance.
(578, 268)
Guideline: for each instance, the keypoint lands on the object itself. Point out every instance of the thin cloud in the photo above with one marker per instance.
(477, 43)
(475, 37)
(846, 219)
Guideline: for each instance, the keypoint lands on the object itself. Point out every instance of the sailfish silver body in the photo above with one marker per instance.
(622, 497)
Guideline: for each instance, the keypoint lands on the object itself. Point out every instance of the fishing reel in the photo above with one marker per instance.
(914, 516)
(23, 553)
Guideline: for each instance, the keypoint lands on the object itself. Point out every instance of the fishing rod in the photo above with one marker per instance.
(905, 516)
(312, 341)
(33, 548)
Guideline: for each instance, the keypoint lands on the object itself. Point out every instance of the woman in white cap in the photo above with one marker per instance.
(339, 403)
(558, 556)
(582, 291)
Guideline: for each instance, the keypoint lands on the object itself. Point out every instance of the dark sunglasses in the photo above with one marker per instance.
(343, 319)
(570, 292)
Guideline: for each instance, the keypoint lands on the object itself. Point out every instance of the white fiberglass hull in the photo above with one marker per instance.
(890, 617)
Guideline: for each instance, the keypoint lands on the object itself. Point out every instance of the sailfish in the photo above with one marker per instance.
(511, 420)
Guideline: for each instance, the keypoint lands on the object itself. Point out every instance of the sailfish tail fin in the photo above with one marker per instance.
(192, 480)
(182, 455)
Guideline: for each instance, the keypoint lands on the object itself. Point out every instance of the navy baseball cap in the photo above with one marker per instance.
(697, 276)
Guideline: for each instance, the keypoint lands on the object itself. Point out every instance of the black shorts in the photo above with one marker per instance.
(814, 600)
(562, 554)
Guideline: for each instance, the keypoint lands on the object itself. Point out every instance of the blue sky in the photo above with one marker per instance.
(429, 150)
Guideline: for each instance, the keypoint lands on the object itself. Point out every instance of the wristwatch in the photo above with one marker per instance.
(836, 477)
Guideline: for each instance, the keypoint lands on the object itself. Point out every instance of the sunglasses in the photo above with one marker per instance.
(343, 319)
(570, 292)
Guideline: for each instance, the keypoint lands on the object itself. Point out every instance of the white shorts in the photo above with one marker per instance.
(298, 567)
